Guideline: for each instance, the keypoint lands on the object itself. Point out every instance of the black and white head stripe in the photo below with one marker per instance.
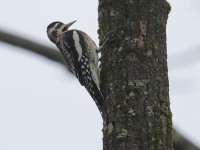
(54, 25)
(56, 29)
(53, 30)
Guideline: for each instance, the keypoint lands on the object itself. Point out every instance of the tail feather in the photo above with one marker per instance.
(96, 94)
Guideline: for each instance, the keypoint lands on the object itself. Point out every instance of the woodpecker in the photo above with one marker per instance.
(80, 54)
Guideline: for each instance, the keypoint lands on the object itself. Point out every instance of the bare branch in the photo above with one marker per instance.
(37, 48)
(181, 143)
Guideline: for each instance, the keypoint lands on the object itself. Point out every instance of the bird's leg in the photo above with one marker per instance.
(99, 49)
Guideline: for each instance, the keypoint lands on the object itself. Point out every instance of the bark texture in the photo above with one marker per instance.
(134, 75)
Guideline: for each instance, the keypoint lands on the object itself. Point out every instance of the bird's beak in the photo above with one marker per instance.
(69, 24)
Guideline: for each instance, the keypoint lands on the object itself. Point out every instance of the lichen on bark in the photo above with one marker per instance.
(134, 76)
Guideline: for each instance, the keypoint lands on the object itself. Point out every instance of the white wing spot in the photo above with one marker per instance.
(84, 73)
(77, 44)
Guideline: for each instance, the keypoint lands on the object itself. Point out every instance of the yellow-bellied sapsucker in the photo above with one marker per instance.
(80, 54)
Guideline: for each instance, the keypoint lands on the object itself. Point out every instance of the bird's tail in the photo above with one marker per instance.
(96, 94)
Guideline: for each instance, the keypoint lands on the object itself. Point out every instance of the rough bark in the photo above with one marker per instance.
(134, 75)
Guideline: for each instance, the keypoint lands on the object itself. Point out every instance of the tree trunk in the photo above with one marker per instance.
(134, 75)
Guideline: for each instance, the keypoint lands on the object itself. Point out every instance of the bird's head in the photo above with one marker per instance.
(56, 29)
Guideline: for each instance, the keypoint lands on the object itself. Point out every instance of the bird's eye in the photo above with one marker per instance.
(64, 29)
